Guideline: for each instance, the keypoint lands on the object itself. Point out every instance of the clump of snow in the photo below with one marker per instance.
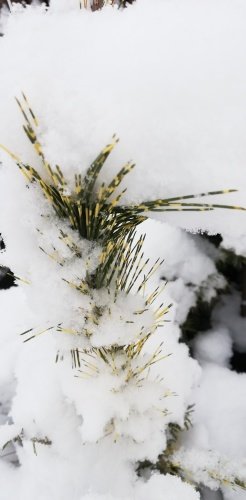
(214, 346)
(183, 257)
(221, 410)
(188, 266)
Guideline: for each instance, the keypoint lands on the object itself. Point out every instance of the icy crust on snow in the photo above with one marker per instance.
(179, 91)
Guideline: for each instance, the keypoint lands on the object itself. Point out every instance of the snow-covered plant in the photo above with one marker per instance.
(100, 390)
(105, 350)
(209, 468)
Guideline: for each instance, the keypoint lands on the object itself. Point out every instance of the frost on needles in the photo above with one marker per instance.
(103, 386)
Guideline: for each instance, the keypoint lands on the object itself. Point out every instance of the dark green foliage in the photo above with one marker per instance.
(231, 266)
(198, 319)
(7, 278)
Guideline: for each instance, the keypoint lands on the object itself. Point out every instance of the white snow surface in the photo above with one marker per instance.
(169, 75)
(221, 410)
(214, 346)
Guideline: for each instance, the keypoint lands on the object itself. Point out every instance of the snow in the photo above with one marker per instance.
(218, 424)
(214, 346)
(179, 91)
(188, 266)
(233, 495)
(168, 487)
(170, 78)
(221, 409)
(209, 468)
